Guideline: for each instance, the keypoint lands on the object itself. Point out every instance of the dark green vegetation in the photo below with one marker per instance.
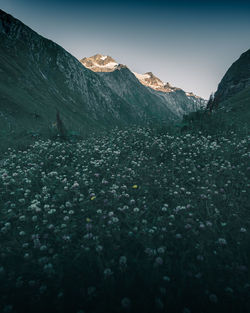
(137, 221)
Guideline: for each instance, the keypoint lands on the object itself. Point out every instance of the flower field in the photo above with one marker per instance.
(136, 221)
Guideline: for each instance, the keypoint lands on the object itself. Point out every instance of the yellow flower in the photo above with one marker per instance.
(88, 219)
(93, 198)
(135, 186)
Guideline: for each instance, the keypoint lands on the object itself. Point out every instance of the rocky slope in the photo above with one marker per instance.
(236, 79)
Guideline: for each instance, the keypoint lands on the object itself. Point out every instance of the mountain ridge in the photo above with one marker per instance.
(175, 99)
(96, 64)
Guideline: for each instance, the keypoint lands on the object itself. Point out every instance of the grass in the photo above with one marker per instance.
(138, 220)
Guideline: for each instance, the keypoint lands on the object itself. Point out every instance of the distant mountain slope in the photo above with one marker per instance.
(236, 79)
(125, 83)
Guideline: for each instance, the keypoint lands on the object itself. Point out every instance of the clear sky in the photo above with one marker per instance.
(190, 44)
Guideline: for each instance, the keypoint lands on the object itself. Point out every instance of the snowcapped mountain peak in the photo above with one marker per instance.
(105, 63)
(100, 63)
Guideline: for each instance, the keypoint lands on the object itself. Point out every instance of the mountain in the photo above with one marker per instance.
(39, 78)
(236, 79)
(41, 83)
(188, 101)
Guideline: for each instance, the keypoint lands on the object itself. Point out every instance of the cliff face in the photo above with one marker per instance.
(236, 79)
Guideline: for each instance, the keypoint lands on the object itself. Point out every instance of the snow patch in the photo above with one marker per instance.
(104, 57)
(109, 65)
(141, 76)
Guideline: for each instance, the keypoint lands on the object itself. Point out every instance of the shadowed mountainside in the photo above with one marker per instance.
(38, 78)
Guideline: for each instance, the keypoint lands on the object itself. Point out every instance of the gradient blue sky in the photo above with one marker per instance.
(190, 44)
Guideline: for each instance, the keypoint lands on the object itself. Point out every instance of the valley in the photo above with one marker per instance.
(118, 191)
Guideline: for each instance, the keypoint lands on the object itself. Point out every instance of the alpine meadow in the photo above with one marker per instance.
(120, 192)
